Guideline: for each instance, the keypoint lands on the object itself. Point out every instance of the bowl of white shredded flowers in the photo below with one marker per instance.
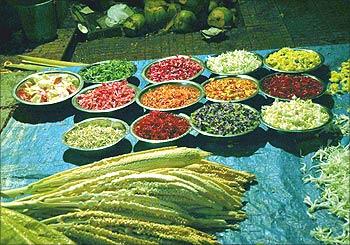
(237, 62)
(295, 116)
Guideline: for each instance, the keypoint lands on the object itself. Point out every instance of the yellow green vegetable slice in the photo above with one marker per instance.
(17, 228)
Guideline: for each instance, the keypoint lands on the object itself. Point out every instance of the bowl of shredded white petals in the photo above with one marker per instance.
(237, 62)
(295, 116)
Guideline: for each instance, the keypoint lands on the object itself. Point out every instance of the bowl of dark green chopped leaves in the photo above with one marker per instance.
(108, 71)
(225, 120)
(95, 135)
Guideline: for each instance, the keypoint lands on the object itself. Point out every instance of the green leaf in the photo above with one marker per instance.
(17, 228)
(211, 32)
(87, 10)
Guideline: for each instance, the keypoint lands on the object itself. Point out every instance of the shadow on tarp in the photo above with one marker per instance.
(301, 144)
(241, 146)
(325, 100)
(81, 158)
(187, 141)
(261, 100)
(258, 101)
(187, 110)
(200, 79)
(212, 75)
(43, 114)
(258, 74)
(322, 73)
(127, 114)
(217, 39)
(190, 109)
(134, 80)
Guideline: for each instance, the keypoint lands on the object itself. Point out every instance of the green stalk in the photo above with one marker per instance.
(38, 205)
(39, 63)
(69, 199)
(25, 67)
(30, 197)
(12, 193)
(52, 220)
(164, 157)
(49, 61)
(82, 236)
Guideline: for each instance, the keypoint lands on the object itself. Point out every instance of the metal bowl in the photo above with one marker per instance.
(237, 76)
(299, 71)
(100, 121)
(228, 135)
(83, 91)
(261, 87)
(259, 57)
(104, 62)
(79, 85)
(330, 117)
(159, 141)
(146, 68)
(173, 82)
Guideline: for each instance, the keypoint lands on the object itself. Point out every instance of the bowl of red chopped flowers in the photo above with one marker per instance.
(160, 127)
(292, 86)
(47, 88)
(179, 67)
(105, 97)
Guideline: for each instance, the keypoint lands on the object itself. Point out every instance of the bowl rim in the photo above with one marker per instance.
(104, 62)
(91, 87)
(322, 59)
(262, 90)
(258, 56)
(229, 135)
(126, 126)
(330, 118)
(79, 87)
(176, 82)
(254, 80)
(145, 69)
(160, 141)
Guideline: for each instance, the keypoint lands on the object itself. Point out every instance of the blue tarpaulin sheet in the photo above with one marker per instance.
(31, 149)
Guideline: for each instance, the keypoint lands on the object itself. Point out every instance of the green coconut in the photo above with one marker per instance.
(134, 25)
(185, 21)
(195, 6)
(173, 9)
(156, 14)
(220, 17)
(152, 3)
(212, 5)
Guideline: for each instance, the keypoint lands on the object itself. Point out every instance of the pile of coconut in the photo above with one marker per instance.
(158, 16)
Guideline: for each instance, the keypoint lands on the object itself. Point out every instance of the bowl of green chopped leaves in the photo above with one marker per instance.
(95, 135)
(108, 71)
